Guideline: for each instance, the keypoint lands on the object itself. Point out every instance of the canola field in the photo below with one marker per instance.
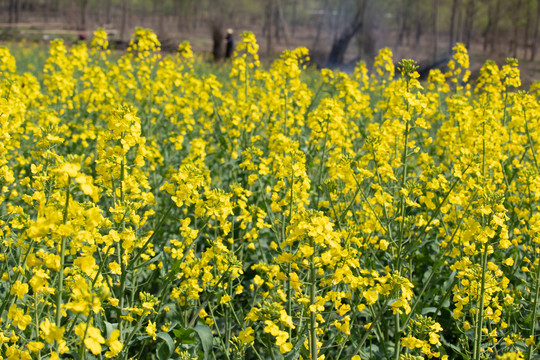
(149, 211)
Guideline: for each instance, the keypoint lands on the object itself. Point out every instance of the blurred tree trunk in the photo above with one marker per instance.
(335, 21)
(527, 26)
(123, 23)
(196, 10)
(11, 11)
(156, 5)
(487, 31)
(186, 13)
(404, 16)
(46, 10)
(83, 9)
(17, 11)
(108, 11)
(459, 26)
(282, 22)
(435, 29)
(491, 31)
(158, 14)
(277, 25)
(55, 9)
(267, 27)
(320, 26)
(516, 12)
(14, 10)
(177, 13)
(453, 17)
(98, 13)
(293, 21)
(535, 37)
(217, 40)
(341, 42)
(495, 28)
(470, 12)
(419, 19)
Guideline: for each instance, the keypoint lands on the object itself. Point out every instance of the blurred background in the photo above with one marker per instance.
(338, 33)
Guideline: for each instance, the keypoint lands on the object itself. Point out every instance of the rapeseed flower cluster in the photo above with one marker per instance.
(151, 210)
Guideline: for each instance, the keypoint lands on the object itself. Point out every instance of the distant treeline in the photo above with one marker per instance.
(325, 26)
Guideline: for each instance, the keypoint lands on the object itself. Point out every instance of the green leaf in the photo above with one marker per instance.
(166, 349)
(295, 351)
(163, 352)
(428, 310)
(110, 327)
(151, 261)
(456, 349)
(184, 336)
(207, 339)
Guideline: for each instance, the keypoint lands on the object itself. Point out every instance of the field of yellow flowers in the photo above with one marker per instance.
(148, 211)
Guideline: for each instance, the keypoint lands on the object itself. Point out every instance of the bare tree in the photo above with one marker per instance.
(435, 29)
(341, 42)
(516, 22)
(404, 16)
(535, 36)
(159, 14)
(419, 20)
(108, 11)
(124, 19)
(18, 4)
(14, 6)
(293, 21)
(46, 10)
(495, 27)
(453, 19)
(217, 40)
(83, 6)
(470, 12)
(320, 25)
(267, 27)
(281, 23)
(527, 26)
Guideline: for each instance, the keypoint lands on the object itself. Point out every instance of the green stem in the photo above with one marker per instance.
(121, 290)
(60, 285)
(218, 332)
(397, 348)
(480, 315)
(313, 319)
(289, 247)
(531, 145)
(535, 311)
(7, 300)
(403, 208)
(373, 322)
(483, 153)
(140, 251)
(36, 319)
(122, 168)
(397, 345)
(323, 157)
(270, 347)
(126, 343)
(537, 292)
(82, 348)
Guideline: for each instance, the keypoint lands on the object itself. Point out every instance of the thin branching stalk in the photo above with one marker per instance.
(537, 284)
(312, 317)
(479, 323)
(534, 315)
(60, 284)
(480, 314)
